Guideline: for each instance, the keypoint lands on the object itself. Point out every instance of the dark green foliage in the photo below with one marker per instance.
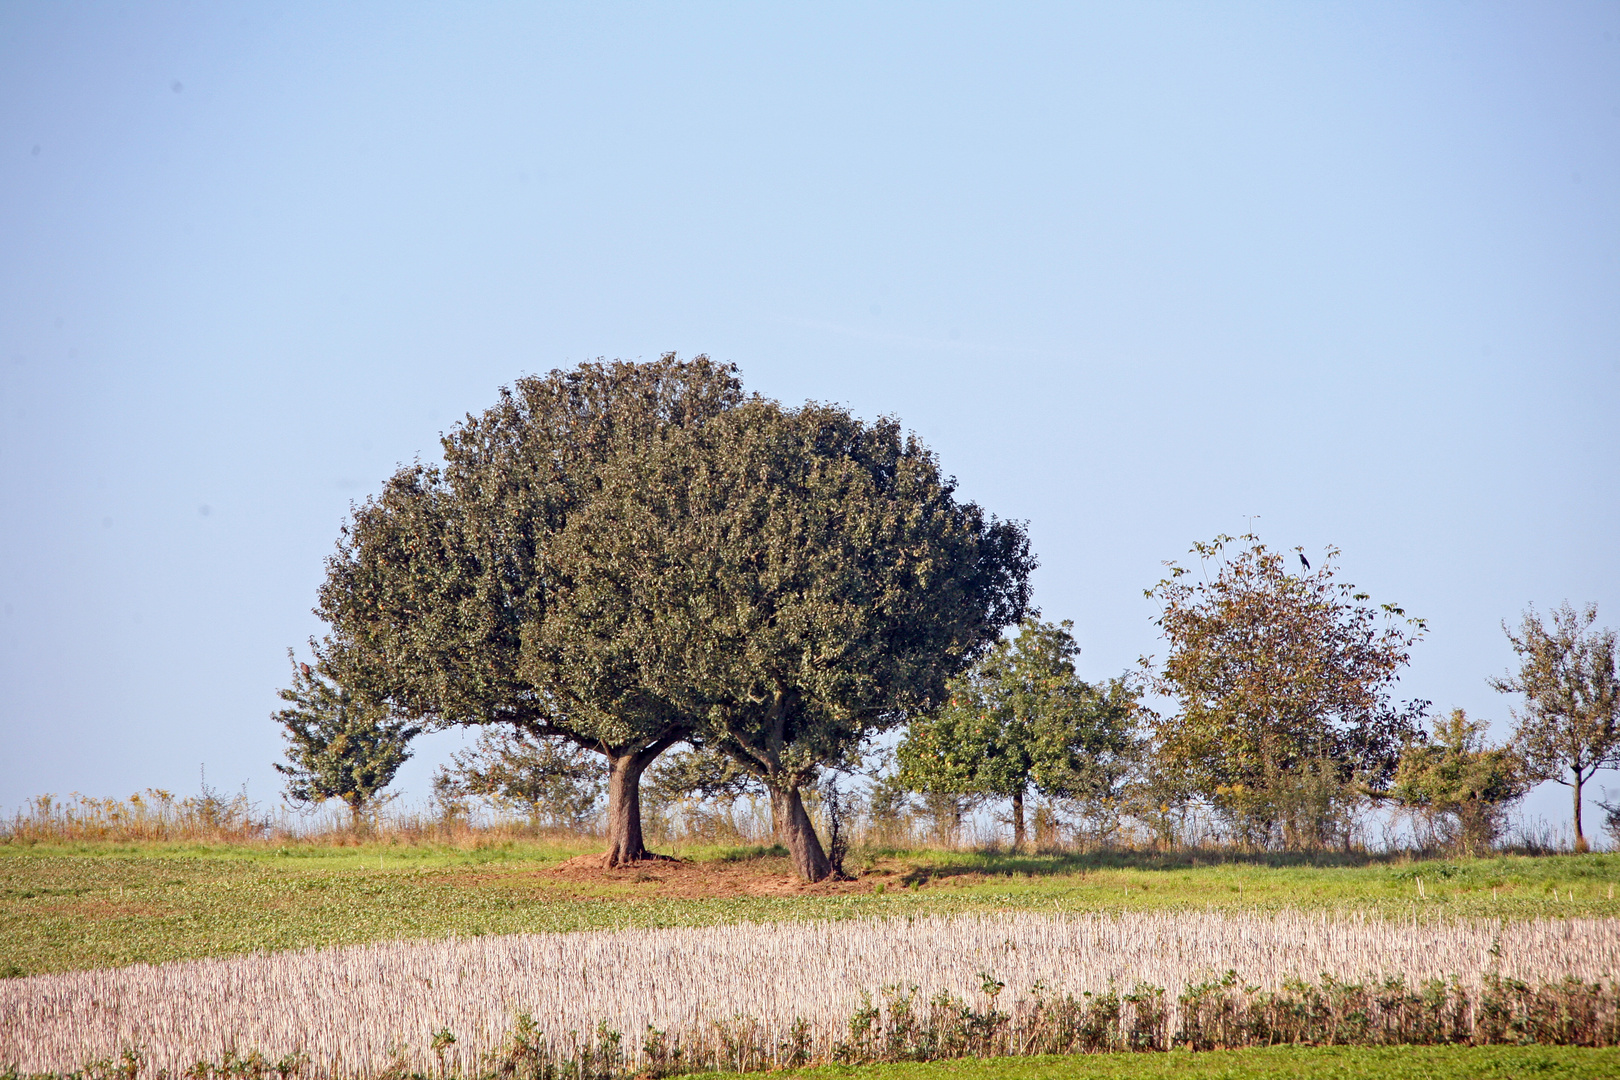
(629, 556)
(338, 745)
(460, 589)
(844, 585)
(1021, 720)
(468, 594)
(798, 579)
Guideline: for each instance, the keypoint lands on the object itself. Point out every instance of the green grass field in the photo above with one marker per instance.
(1268, 1063)
(88, 905)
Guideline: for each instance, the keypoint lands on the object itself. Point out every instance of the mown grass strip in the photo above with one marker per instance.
(1264, 1063)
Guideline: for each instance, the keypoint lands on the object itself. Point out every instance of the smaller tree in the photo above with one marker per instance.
(1021, 720)
(550, 780)
(1566, 730)
(1457, 785)
(338, 746)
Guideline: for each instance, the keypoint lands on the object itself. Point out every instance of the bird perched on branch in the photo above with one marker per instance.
(1303, 561)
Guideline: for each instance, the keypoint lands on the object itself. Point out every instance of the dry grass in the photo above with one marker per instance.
(755, 996)
(158, 816)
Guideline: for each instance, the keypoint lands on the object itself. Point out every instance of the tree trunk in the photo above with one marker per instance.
(1580, 837)
(1018, 821)
(624, 808)
(793, 827)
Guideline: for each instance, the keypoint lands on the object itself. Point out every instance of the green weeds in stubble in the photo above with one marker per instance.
(89, 905)
(1263, 1063)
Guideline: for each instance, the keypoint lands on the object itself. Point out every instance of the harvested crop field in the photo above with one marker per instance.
(760, 995)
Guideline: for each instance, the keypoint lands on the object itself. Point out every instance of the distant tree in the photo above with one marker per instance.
(700, 773)
(889, 809)
(1611, 816)
(551, 781)
(699, 788)
(1567, 729)
(1459, 785)
(804, 581)
(1020, 722)
(463, 595)
(338, 746)
(1281, 682)
(946, 813)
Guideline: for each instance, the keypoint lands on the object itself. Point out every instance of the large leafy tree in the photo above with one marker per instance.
(339, 746)
(1021, 720)
(800, 580)
(1281, 683)
(458, 595)
(1567, 729)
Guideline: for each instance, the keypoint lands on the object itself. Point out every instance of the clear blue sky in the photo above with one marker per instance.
(1139, 273)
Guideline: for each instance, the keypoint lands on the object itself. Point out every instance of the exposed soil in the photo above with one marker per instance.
(685, 879)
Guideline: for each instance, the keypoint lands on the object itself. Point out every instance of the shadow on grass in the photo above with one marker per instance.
(937, 865)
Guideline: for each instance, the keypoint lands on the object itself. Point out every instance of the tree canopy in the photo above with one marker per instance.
(1281, 684)
(800, 580)
(629, 556)
(1021, 720)
(457, 595)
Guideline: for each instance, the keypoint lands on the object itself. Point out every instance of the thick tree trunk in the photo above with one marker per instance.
(624, 808)
(793, 828)
(1018, 821)
(1580, 837)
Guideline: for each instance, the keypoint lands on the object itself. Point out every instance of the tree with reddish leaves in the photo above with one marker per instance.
(1281, 682)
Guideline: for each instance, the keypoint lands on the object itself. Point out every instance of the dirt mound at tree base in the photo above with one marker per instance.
(767, 875)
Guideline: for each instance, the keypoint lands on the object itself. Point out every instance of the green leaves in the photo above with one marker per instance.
(464, 595)
(1021, 719)
(1568, 727)
(550, 780)
(1567, 677)
(834, 582)
(1458, 786)
(338, 746)
(627, 555)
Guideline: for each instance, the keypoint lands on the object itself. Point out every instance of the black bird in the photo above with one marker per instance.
(1304, 561)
